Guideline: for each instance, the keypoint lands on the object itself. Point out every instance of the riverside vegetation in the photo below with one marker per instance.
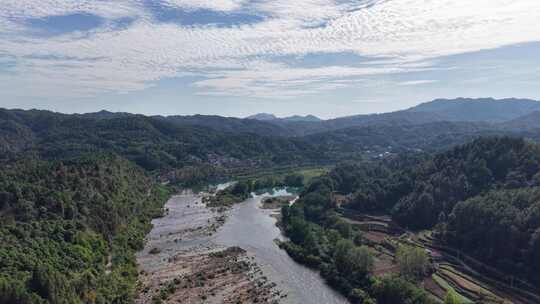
(481, 198)
(70, 229)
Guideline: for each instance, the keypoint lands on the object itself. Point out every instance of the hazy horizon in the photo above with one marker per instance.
(255, 113)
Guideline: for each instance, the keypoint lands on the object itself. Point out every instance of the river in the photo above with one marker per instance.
(247, 226)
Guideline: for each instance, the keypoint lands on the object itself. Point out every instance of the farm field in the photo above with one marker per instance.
(448, 273)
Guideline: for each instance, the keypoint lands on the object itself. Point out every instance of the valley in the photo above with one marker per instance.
(187, 260)
(389, 208)
(269, 152)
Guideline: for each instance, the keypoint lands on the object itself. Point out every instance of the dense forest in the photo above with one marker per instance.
(70, 229)
(152, 143)
(482, 198)
(178, 146)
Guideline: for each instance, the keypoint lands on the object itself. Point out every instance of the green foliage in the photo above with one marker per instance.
(482, 196)
(62, 220)
(154, 143)
(320, 240)
(451, 298)
(418, 190)
(199, 175)
(294, 180)
(173, 146)
(501, 226)
(353, 262)
(293, 177)
(392, 290)
(63, 215)
(412, 262)
(234, 194)
(377, 186)
(465, 172)
(359, 296)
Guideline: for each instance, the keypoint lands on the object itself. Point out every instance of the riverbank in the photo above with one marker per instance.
(181, 264)
(275, 203)
(209, 275)
(237, 262)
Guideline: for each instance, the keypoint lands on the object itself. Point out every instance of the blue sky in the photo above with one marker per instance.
(238, 57)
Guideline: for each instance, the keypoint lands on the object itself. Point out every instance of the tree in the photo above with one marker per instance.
(361, 262)
(351, 261)
(395, 290)
(412, 262)
(359, 296)
(344, 228)
(294, 180)
(298, 230)
(341, 255)
(240, 188)
(311, 243)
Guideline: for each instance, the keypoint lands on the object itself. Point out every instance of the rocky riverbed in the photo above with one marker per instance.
(195, 254)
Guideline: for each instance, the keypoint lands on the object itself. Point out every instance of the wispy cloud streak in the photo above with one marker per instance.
(399, 36)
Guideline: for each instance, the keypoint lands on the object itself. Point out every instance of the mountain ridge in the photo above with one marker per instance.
(272, 117)
(479, 109)
(506, 114)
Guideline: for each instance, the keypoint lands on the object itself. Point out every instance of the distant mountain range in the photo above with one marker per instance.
(508, 114)
(272, 117)
(478, 110)
(167, 141)
(483, 110)
(530, 121)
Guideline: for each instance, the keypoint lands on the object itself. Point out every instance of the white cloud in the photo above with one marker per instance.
(303, 13)
(400, 36)
(22, 9)
(216, 5)
(269, 80)
(417, 82)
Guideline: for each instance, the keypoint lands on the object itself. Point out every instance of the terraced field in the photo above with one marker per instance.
(442, 284)
(452, 271)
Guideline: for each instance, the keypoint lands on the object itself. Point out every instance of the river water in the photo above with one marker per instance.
(247, 226)
(254, 230)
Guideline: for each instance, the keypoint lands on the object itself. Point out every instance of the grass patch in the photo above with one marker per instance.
(308, 172)
(465, 282)
(311, 173)
(446, 286)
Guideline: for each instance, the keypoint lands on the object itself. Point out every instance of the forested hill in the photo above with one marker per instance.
(467, 171)
(478, 110)
(530, 121)
(69, 229)
(152, 143)
(482, 197)
(162, 144)
(493, 112)
(485, 198)
(230, 124)
(434, 136)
